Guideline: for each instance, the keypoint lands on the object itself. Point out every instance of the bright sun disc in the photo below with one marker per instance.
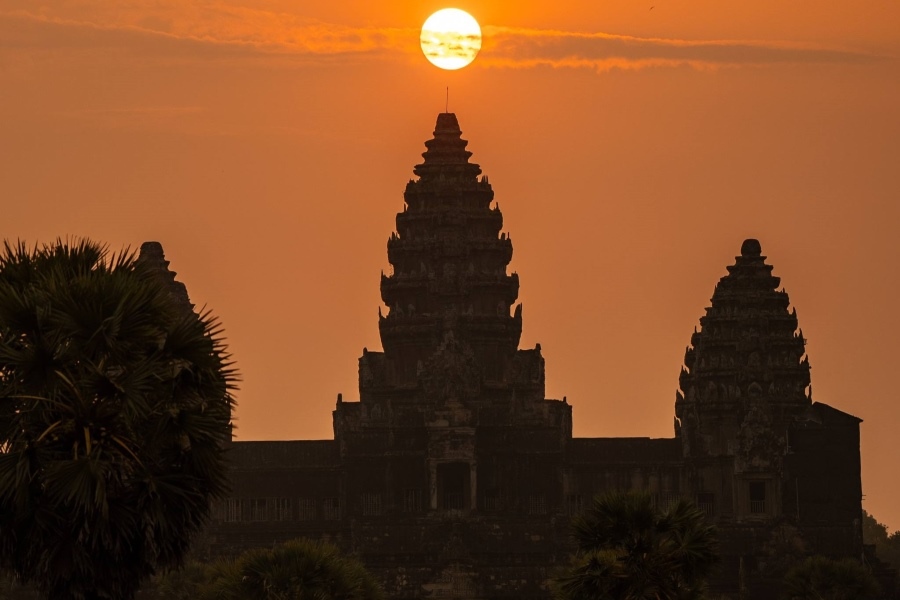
(451, 38)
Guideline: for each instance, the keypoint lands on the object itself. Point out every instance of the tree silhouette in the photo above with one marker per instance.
(887, 546)
(115, 401)
(628, 550)
(821, 578)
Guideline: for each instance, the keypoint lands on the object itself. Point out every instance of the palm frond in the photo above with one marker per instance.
(629, 548)
(114, 405)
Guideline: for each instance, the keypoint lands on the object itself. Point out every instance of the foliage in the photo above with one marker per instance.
(628, 549)
(299, 569)
(887, 547)
(188, 582)
(115, 401)
(821, 578)
(10, 589)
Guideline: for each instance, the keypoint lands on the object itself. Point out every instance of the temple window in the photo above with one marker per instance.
(491, 500)
(233, 510)
(574, 504)
(306, 509)
(537, 504)
(258, 508)
(757, 497)
(371, 504)
(453, 486)
(331, 509)
(664, 500)
(282, 509)
(706, 502)
(412, 500)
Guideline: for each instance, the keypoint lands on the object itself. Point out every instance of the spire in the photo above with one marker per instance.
(154, 260)
(748, 345)
(749, 273)
(449, 263)
(745, 373)
(446, 156)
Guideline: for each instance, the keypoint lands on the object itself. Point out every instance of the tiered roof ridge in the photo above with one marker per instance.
(749, 343)
(449, 262)
(446, 156)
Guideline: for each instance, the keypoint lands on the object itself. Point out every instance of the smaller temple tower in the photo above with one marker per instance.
(744, 382)
(778, 473)
(153, 260)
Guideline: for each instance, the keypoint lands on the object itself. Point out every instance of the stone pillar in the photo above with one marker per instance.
(432, 476)
(473, 478)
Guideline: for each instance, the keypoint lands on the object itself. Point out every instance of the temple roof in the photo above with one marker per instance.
(748, 343)
(449, 295)
(446, 156)
(750, 271)
(153, 258)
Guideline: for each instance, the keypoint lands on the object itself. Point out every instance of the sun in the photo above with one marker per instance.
(451, 38)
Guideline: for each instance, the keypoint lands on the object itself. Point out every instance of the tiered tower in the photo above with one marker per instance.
(744, 383)
(778, 473)
(449, 296)
(452, 420)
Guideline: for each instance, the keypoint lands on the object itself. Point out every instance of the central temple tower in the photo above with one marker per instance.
(451, 398)
(449, 281)
(451, 333)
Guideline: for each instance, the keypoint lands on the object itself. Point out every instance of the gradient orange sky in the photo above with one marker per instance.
(267, 146)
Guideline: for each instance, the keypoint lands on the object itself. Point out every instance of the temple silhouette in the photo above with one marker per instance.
(454, 477)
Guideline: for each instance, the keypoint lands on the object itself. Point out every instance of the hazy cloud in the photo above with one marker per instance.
(165, 31)
(602, 51)
(223, 34)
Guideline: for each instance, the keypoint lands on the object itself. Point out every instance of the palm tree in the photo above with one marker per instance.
(628, 549)
(822, 578)
(115, 403)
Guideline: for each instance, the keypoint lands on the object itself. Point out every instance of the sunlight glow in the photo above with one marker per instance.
(450, 39)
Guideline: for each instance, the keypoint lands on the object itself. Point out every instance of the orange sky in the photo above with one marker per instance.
(267, 146)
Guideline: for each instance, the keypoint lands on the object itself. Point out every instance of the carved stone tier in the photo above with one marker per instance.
(153, 260)
(449, 267)
(447, 157)
(746, 367)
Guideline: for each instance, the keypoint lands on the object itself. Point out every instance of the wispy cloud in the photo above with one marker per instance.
(524, 48)
(231, 32)
(223, 34)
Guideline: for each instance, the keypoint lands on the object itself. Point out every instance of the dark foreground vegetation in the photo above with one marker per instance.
(296, 570)
(887, 546)
(629, 548)
(820, 578)
(115, 401)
